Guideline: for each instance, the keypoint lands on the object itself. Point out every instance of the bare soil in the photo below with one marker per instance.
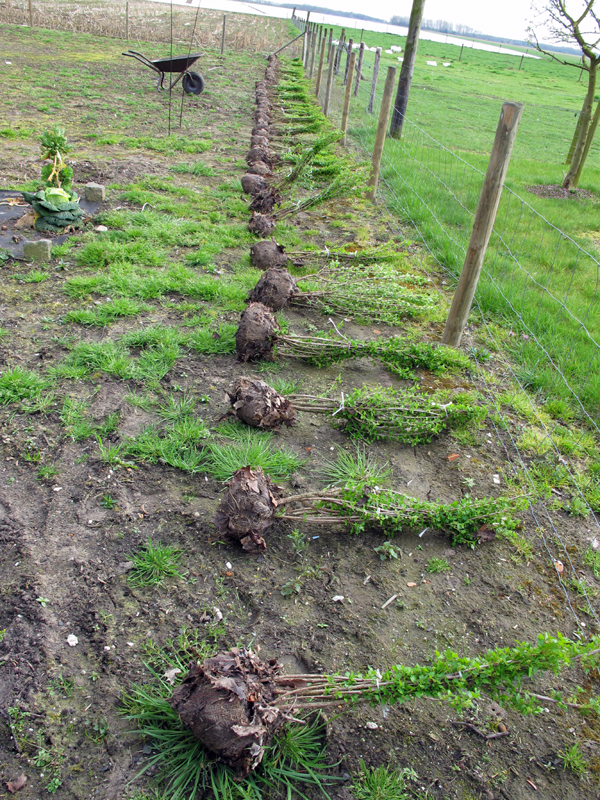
(66, 557)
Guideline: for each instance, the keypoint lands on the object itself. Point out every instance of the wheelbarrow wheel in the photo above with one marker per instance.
(193, 83)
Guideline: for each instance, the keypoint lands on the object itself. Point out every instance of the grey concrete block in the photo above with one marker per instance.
(95, 192)
(37, 251)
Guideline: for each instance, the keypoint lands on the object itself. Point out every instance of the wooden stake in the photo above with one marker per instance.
(223, 34)
(461, 49)
(408, 65)
(127, 21)
(329, 81)
(329, 44)
(321, 62)
(485, 216)
(347, 96)
(384, 115)
(361, 54)
(521, 62)
(30, 14)
(374, 81)
(340, 47)
(350, 43)
(313, 50)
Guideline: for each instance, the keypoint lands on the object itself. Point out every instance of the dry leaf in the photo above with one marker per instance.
(411, 584)
(560, 567)
(14, 786)
(376, 331)
(453, 457)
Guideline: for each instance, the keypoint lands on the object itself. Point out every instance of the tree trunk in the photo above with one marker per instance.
(574, 140)
(570, 181)
(588, 143)
(408, 65)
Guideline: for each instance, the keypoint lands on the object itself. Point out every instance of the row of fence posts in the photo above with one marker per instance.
(318, 39)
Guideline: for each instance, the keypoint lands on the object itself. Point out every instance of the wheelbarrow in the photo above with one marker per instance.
(192, 83)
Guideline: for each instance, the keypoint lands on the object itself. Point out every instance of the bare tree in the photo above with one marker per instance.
(581, 27)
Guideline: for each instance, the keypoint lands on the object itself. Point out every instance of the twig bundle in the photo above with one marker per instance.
(380, 293)
(466, 521)
(406, 416)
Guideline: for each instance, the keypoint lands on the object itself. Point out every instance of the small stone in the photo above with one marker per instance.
(339, 598)
(101, 228)
(72, 640)
(37, 251)
(95, 192)
(372, 726)
(496, 479)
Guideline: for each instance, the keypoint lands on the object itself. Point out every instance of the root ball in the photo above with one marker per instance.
(225, 703)
(260, 406)
(259, 168)
(274, 289)
(253, 184)
(246, 511)
(267, 255)
(255, 334)
(261, 224)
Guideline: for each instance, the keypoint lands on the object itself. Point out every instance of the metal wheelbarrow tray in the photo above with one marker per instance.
(193, 83)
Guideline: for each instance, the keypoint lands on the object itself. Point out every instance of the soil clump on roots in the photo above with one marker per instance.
(261, 224)
(224, 702)
(256, 333)
(268, 254)
(274, 289)
(257, 404)
(246, 511)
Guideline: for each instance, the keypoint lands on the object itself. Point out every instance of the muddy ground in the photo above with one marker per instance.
(64, 569)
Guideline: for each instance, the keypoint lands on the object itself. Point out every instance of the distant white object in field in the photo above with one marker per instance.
(432, 63)
(446, 63)
(395, 49)
(390, 52)
(372, 49)
(400, 58)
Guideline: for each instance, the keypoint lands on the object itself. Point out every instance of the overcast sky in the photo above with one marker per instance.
(499, 18)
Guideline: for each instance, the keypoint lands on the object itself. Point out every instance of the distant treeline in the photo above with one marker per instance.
(321, 10)
(439, 25)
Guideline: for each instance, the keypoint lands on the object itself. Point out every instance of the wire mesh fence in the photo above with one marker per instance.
(540, 284)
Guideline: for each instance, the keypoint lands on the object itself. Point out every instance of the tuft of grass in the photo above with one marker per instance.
(382, 783)
(573, 760)
(176, 407)
(251, 450)
(18, 384)
(199, 169)
(352, 469)
(47, 472)
(153, 564)
(592, 559)
(210, 342)
(437, 565)
(105, 314)
(282, 385)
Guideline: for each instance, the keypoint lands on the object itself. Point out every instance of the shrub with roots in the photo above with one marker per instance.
(255, 334)
(225, 703)
(246, 511)
(274, 289)
(261, 224)
(267, 255)
(259, 154)
(260, 406)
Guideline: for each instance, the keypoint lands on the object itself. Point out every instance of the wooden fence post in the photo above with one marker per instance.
(374, 81)
(329, 82)
(521, 62)
(223, 34)
(30, 14)
(347, 96)
(340, 47)
(485, 216)
(329, 44)
(361, 54)
(350, 43)
(460, 54)
(384, 115)
(127, 21)
(314, 48)
(320, 69)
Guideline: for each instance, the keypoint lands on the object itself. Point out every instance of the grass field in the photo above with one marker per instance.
(541, 284)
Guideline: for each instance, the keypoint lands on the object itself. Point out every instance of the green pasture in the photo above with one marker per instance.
(535, 279)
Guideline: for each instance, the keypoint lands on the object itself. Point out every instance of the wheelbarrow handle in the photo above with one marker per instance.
(142, 59)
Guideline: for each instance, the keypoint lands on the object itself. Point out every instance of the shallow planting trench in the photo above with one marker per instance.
(123, 416)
